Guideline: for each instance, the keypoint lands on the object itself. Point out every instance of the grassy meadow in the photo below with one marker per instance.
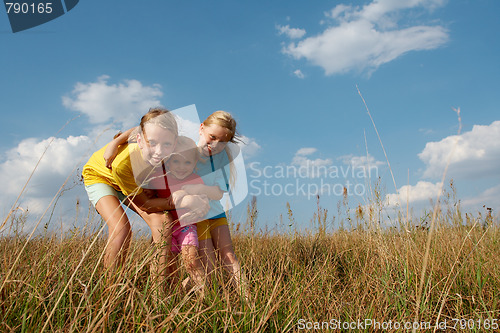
(439, 269)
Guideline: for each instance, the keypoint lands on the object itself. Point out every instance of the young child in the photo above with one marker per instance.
(178, 173)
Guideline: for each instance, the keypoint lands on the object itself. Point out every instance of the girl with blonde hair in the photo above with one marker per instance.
(216, 170)
(108, 185)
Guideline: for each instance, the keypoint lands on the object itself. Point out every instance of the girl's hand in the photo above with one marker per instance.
(110, 153)
(112, 148)
(197, 206)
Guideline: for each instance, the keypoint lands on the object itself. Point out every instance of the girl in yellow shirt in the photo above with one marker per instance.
(108, 186)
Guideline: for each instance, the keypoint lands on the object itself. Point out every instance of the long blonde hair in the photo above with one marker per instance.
(225, 119)
(161, 117)
(156, 116)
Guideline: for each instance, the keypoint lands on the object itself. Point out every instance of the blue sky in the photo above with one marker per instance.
(287, 71)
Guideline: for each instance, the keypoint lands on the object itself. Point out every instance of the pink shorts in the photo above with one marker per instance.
(183, 236)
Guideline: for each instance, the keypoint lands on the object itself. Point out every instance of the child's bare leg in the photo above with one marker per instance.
(207, 257)
(173, 269)
(161, 232)
(119, 232)
(222, 241)
(193, 267)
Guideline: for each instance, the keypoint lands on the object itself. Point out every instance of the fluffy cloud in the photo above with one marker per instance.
(367, 37)
(122, 103)
(474, 154)
(315, 167)
(61, 156)
(298, 73)
(305, 151)
(471, 156)
(380, 12)
(489, 198)
(292, 33)
(365, 162)
(59, 161)
(423, 191)
(249, 147)
(301, 160)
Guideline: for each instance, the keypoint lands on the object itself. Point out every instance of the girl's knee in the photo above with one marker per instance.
(158, 219)
(159, 235)
(121, 231)
(189, 253)
(190, 258)
(161, 226)
(229, 257)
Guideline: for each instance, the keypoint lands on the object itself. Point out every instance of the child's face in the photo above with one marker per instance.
(213, 139)
(181, 165)
(156, 143)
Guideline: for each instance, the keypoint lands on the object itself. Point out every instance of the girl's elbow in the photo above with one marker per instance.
(145, 206)
(148, 210)
(218, 195)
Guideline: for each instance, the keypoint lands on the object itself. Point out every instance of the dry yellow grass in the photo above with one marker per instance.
(296, 281)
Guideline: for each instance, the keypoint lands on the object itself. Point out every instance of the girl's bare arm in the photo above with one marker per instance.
(212, 192)
(196, 204)
(112, 148)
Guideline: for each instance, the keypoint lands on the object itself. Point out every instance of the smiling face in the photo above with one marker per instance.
(182, 165)
(156, 143)
(213, 139)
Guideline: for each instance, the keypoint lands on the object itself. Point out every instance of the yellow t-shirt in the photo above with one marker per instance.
(127, 169)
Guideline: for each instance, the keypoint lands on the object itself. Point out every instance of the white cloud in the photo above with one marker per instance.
(298, 73)
(249, 147)
(306, 151)
(475, 153)
(489, 198)
(122, 103)
(59, 169)
(367, 37)
(62, 160)
(338, 10)
(292, 33)
(365, 162)
(378, 10)
(362, 166)
(423, 191)
(188, 128)
(315, 167)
